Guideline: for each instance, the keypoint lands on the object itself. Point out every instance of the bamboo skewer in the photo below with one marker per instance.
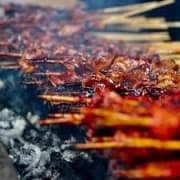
(175, 24)
(61, 98)
(63, 119)
(116, 19)
(160, 47)
(9, 67)
(134, 9)
(8, 63)
(166, 50)
(125, 17)
(148, 25)
(16, 55)
(133, 143)
(148, 8)
(105, 118)
(113, 118)
(133, 37)
(33, 83)
(78, 99)
(47, 74)
(125, 8)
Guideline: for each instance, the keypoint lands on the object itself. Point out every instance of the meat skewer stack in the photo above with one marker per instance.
(139, 131)
(125, 92)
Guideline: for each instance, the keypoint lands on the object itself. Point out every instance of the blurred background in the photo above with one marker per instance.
(171, 12)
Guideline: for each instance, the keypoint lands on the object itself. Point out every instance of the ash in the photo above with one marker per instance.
(41, 152)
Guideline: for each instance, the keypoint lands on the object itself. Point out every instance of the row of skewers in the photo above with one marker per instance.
(132, 114)
(140, 132)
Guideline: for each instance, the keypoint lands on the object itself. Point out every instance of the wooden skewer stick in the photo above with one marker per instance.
(9, 65)
(61, 98)
(51, 58)
(148, 8)
(133, 143)
(171, 56)
(163, 47)
(113, 118)
(160, 48)
(149, 25)
(47, 61)
(125, 8)
(105, 118)
(102, 139)
(133, 37)
(55, 121)
(63, 119)
(18, 55)
(175, 24)
(122, 21)
(57, 115)
(47, 74)
(33, 82)
(132, 10)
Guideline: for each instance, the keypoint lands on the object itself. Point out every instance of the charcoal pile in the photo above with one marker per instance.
(38, 152)
(67, 88)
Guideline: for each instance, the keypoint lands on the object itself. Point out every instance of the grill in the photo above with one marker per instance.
(44, 73)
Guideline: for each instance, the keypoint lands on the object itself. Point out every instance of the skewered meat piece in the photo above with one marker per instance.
(42, 47)
(126, 75)
(58, 49)
(141, 75)
(111, 111)
(131, 129)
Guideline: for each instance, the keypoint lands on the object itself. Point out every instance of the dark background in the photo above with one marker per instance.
(171, 12)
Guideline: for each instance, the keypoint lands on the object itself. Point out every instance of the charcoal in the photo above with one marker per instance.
(40, 152)
(7, 170)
